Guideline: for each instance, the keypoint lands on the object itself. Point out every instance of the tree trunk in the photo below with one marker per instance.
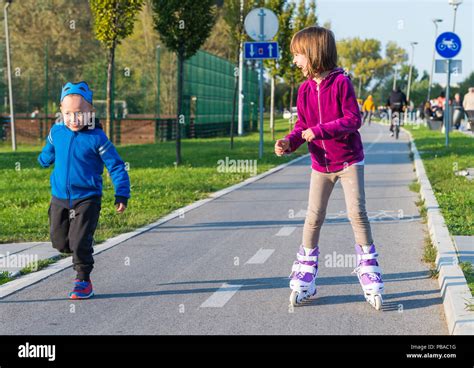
(180, 106)
(110, 76)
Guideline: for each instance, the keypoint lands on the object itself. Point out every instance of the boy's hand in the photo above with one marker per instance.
(281, 146)
(308, 135)
(120, 207)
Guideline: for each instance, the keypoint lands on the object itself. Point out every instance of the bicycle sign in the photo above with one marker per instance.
(448, 45)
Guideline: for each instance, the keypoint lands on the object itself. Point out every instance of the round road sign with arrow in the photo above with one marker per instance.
(261, 24)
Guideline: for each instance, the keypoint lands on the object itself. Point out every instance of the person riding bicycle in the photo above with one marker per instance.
(397, 103)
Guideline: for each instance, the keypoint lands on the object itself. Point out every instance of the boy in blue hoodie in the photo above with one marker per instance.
(79, 148)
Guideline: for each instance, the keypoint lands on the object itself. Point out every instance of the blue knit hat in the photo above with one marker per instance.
(79, 88)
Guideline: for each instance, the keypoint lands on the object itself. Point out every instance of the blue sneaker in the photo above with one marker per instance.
(82, 290)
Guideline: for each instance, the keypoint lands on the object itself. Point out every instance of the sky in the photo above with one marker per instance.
(404, 21)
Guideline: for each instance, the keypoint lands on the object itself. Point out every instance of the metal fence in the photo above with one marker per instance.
(209, 87)
(141, 90)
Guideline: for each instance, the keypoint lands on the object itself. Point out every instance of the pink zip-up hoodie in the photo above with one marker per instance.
(330, 109)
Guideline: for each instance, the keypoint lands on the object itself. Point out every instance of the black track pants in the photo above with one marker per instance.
(72, 231)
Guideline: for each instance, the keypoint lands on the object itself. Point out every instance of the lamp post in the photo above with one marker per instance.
(435, 22)
(9, 73)
(454, 4)
(398, 59)
(395, 79)
(240, 112)
(413, 44)
(447, 113)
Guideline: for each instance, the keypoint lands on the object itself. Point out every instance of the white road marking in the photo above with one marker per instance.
(261, 256)
(379, 136)
(221, 296)
(286, 230)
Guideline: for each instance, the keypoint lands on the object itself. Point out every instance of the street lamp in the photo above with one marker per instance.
(455, 4)
(9, 73)
(397, 58)
(394, 78)
(413, 44)
(447, 113)
(435, 22)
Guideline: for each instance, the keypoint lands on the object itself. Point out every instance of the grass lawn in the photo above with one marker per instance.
(158, 187)
(455, 194)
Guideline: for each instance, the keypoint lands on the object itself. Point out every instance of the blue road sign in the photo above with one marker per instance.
(261, 50)
(448, 45)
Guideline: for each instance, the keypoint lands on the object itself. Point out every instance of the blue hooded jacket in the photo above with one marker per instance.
(79, 159)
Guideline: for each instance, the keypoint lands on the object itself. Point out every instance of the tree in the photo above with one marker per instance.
(284, 11)
(464, 86)
(396, 57)
(219, 42)
(234, 16)
(305, 17)
(362, 59)
(184, 26)
(48, 35)
(113, 22)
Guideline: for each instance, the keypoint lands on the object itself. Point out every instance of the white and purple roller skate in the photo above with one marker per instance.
(369, 275)
(303, 275)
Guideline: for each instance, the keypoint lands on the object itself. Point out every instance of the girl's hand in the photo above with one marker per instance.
(120, 207)
(308, 135)
(281, 146)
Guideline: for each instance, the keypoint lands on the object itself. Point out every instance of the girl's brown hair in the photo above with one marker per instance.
(319, 46)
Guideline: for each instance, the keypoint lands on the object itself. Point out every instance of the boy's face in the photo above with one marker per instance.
(73, 108)
(301, 61)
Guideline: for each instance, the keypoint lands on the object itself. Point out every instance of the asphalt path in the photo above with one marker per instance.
(223, 268)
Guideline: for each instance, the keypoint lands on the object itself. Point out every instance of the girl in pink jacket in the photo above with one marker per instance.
(328, 121)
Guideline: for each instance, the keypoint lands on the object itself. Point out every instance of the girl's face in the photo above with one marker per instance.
(301, 61)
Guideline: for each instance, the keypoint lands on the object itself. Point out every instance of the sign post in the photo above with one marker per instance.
(448, 45)
(261, 25)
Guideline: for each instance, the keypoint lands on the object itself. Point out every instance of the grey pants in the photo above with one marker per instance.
(322, 184)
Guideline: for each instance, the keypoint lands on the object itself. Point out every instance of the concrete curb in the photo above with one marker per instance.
(453, 285)
(34, 277)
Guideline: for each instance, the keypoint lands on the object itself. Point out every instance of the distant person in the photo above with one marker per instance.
(397, 103)
(420, 111)
(34, 114)
(368, 109)
(360, 102)
(458, 111)
(427, 111)
(79, 151)
(328, 121)
(468, 105)
(441, 100)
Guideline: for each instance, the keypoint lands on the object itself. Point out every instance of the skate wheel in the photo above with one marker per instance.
(294, 298)
(378, 302)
